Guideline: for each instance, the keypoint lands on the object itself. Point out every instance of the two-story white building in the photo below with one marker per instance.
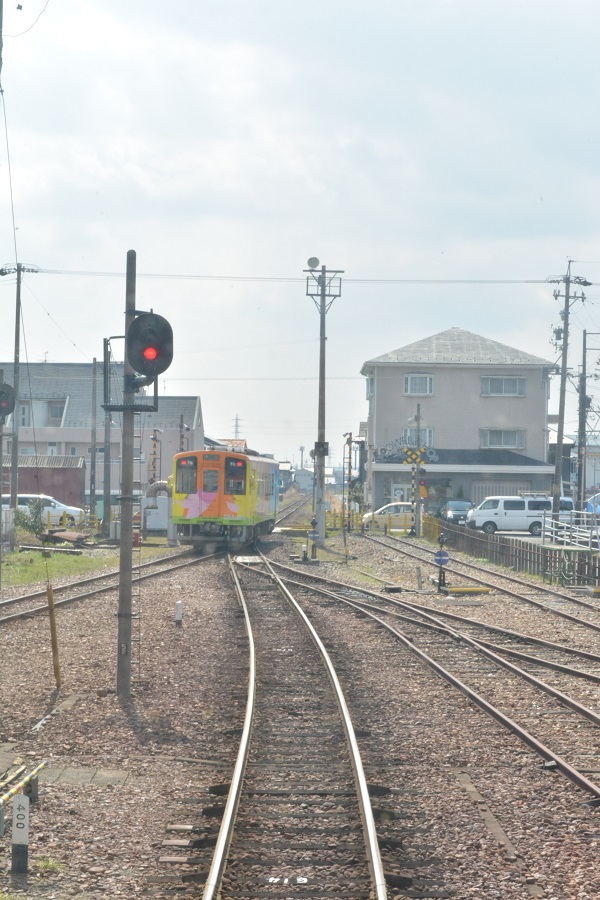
(471, 412)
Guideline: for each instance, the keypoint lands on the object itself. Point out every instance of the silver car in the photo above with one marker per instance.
(394, 515)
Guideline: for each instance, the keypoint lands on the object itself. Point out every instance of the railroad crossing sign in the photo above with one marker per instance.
(441, 558)
(412, 456)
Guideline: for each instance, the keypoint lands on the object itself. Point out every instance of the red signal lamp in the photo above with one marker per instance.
(149, 345)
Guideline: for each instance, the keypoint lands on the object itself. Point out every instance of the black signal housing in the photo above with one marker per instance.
(149, 343)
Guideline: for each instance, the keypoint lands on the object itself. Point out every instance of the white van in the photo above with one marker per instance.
(53, 511)
(516, 513)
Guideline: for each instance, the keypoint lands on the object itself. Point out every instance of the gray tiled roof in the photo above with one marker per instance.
(459, 347)
(72, 382)
(475, 458)
(27, 461)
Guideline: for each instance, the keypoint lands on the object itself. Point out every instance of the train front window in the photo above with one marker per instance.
(186, 475)
(235, 476)
(210, 481)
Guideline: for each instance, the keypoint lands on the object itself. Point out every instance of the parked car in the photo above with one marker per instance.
(394, 515)
(455, 511)
(53, 511)
(517, 513)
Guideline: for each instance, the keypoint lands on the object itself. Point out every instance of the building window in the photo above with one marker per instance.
(55, 412)
(51, 449)
(503, 387)
(409, 437)
(73, 451)
(421, 385)
(24, 414)
(501, 439)
(370, 386)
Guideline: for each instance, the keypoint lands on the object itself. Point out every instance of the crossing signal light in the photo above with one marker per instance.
(422, 485)
(149, 344)
(7, 399)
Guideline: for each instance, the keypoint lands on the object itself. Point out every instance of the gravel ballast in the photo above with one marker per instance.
(119, 771)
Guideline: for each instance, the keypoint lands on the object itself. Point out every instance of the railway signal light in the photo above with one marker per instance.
(7, 399)
(423, 492)
(149, 343)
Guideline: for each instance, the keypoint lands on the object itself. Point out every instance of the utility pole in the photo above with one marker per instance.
(1, 27)
(14, 459)
(418, 508)
(323, 288)
(567, 280)
(1, 445)
(124, 614)
(584, 405)
(106, 511)
(93, 447)
(349, 492)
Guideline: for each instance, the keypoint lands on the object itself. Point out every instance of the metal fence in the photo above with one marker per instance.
(556, 563)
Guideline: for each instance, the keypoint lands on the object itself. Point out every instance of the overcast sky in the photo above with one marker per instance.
(226, 143)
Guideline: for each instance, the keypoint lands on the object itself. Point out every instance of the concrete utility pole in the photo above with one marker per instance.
(14, 458)
(1, 30)
(584, 405)
(418, 507)
(93, 447)
(567, 280)
(126, 544)
(1, 463)
(323, 288)
(106, 511)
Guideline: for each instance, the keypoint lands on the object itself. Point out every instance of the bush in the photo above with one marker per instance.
(31, 520)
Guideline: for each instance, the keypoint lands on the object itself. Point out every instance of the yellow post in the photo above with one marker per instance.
(53, 635)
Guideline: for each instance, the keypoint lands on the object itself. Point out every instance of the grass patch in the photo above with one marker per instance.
(47, 864)
(33, 567)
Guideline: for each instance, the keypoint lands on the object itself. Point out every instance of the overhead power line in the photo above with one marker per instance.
(283, 280)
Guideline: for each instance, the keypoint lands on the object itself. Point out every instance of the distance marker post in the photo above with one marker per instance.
(20, 835)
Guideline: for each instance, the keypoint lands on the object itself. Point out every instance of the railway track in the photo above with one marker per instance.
(27, 605)
(291, 509)
(298, 817)
(551, 718)
(537, 595)
(462, 806)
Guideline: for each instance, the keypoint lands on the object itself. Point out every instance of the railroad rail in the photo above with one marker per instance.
(424, 628)
(464, 569)
(298, 814)
(69, 593)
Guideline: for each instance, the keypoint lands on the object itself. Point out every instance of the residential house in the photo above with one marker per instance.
(471, 412)
(60, 413)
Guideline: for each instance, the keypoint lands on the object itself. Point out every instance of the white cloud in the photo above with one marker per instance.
(421, 139)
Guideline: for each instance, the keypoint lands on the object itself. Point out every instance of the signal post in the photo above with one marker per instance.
(148, 353)
(124, 614)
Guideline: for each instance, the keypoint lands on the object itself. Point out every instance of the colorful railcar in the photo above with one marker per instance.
(224, 497)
